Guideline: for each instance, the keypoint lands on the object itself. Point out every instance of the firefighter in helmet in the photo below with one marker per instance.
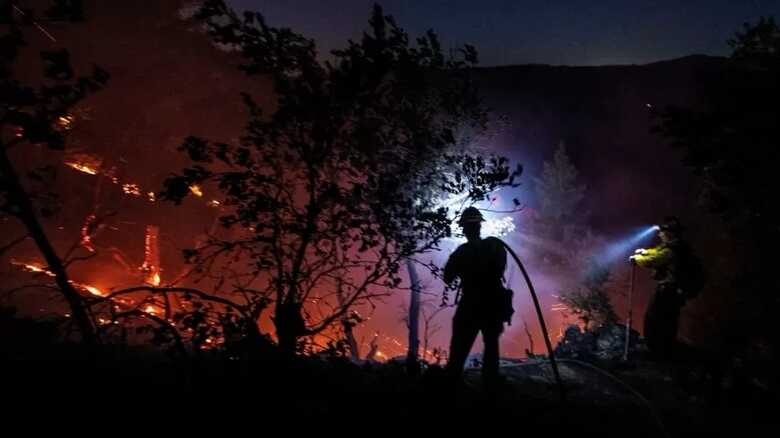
(679, 277)
(479, 264)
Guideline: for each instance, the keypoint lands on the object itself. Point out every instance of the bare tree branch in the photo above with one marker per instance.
(13, 243)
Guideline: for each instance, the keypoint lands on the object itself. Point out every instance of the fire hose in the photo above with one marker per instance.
(642, 400)
(553, 362)
(539, 314)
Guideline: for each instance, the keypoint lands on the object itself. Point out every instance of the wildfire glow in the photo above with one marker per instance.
(93, 290)
(151, 265)
(86, 237)
(39, 269)
(31, 267)
(195, 189)
(131, 189)
(81, 167)
(65, 122)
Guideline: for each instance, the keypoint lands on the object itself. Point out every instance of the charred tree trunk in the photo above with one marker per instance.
(24, 210)
(412, 355)
(346, 324)
(373, 347)
(290, 326)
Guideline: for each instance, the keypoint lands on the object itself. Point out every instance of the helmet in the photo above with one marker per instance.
(671, 225)
(470, 215)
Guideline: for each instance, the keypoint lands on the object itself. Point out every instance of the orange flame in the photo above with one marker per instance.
(151, 264)
(86, 233)
(65, 123)
(39, 269)
(81, 167)
(131, 189)
(195, 189)
(92, 289)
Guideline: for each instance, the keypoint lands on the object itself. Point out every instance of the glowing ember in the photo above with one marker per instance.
(65, 123)
(85, 163)
(81, 167)
(32, 267)
(195, 189)
(86, 233)
(39, 269)
(131, 189)
(93, 290)
(214, 203)
(151, 196)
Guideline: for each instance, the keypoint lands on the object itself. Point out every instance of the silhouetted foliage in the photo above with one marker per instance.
(560, 217)
(732, 143)
(70, 10)
(590, 302)
(335, 182)
(560, 193)
(29, 119)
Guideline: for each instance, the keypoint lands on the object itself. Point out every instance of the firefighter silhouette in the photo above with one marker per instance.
(679, 277)
(479, 264)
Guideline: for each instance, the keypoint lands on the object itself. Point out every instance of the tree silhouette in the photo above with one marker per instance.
(559, 193)
(328, 192)
(731, 143)
(32, 118)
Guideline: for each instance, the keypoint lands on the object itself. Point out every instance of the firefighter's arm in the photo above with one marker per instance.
(451, 268)
(652, 257)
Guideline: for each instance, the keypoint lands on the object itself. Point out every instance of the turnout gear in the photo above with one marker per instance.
(479, 264)
(679, 276)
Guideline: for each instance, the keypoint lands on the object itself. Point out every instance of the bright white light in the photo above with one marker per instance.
(494, 225)
(498, 227)
(624, 246)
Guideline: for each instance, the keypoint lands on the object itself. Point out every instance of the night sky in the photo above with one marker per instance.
(566, 32)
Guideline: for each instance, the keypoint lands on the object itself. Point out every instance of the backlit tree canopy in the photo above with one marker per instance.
(330, 190)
